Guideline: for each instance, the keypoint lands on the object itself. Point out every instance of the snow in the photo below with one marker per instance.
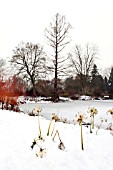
(18, 130)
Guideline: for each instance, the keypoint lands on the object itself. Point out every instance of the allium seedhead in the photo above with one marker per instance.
(41, 153)
(93, 111)
(81, 117)
(61, 146)
(110, 111)
(55, 117)
(37, 109)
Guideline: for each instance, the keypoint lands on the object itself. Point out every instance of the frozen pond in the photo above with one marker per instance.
(68, 109)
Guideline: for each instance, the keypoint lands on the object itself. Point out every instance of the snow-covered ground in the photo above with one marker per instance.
(18, 130)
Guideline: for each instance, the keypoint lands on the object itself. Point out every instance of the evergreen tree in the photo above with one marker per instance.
(110, 82)
(94, 71)
(106, 85)
(97, 82)
(94, 74)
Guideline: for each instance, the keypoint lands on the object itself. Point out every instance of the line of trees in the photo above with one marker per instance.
(96, 85)
(32, 65)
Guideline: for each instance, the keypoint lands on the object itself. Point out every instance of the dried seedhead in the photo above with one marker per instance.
(41, 153)
(110, 111)
(61, 146)
(93, 111)
(80, 118)
(55, 117)
(37, 110)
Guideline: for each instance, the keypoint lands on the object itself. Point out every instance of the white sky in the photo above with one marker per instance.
(25, 20)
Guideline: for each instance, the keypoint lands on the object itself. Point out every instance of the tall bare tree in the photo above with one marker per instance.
(57, 36)
(82, 62)
(29, 61)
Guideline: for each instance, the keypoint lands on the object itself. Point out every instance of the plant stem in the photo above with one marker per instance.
(93, 121)
(39, 125)
(49, 128)
(57, 132)
(81, 138)
(53, 130)
(90, 129)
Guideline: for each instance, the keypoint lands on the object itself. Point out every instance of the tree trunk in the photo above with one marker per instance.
(56, 96)
(34, 88)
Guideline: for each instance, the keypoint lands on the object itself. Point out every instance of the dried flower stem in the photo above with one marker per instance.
(93, 121)
(80, 121)
(58, 135)
(90, 129)
(81, 137)
(40, 136)
(53, 130)
(98, 128)
(49, 128)
(93, 111)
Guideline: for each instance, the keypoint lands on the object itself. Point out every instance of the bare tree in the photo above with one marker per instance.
(29, 61)
(2, 67)
(82, 62)
(57, 35)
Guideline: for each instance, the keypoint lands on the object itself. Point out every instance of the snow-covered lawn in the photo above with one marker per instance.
(18, 130)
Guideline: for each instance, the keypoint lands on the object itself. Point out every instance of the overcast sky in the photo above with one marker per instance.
(25, 20)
